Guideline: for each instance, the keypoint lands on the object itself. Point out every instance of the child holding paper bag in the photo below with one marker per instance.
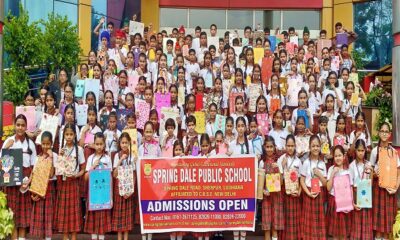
(313, 178)
(338, 222)
(272, 203)
(290, 164)
(385, 185)
(361, 170)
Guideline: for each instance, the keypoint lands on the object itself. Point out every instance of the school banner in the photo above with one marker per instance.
(197, 194)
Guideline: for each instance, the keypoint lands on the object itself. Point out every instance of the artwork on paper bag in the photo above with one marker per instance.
(30, 113)
(122, 118)
(126, 181)
(48, 123)
(273, 182)
(291, 179)
(219, 124)
(200, 121)
(144, 109)
(387, 165)
(263, 123)
(79, 88)
(81, 114)
(364, 193)
(254, 93)
(232, 98)
(315, 187)
(11, 168)
(162, 100)
(100, 189)
(40, 176)
(343, 193)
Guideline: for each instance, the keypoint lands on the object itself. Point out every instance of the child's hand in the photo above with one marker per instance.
(9, 144)
(335, 170)
(266, 193)
(317, 172)
(313, 195)
(391, 191)
(356, 207)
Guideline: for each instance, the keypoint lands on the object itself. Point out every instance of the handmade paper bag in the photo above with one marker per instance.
(134, 145)
(343, 193)
(200, 121)
(30, 113)
(254, 93)
(258, 55)
(144, 109)
(81, 114)
(100, 189)
(11, 167)
(273, 41)
(40, 176)
(136, 27)
(222, 148)
(387, 165)
(219, 124)
(266, 70)
(364, 193)
(315, 187)
(273, 182)
(260, 183)
(341, 39)
(167, 151)
(291, 179)
(126, 181)
(122, 118)
(302, 144)
(162, 100)
(199, 102)
(133, 82)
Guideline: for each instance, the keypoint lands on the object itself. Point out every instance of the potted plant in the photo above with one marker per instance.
(6, 218)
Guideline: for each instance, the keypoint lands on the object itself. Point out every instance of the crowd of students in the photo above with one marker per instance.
(333, 136)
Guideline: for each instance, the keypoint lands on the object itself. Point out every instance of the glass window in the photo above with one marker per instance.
(373, 24)
(272, 19)
(173, 17)
(99, 7)
(259, 18)
(38, 11)
(299, 19)
(204, 18)
(239, 19)
(67, 9)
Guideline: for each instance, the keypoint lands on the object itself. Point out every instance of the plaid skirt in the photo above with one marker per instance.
(122, 212)
(20, 203)
(292, 217)
(338, 222)
(98, 222)
(314, 226)
(136, 205)
(83, 185)
(384, 210)
(68, 214)
(361, 225)
(273, 216)
(42, 214)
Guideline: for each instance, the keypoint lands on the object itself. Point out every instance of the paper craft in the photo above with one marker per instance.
(100, 189)
(81, 112)
(343, 193)
(111, 83)
(30, 113)
(245, 41)
(219, 124)
(335, 64)
(170, 59)
(167, 113)
(134, 144)
(354, 99)
(162, 100)
(222, 148)
(11, 168)
(279, 38)
(208, 79)
(48, 123)
(200, 121)
(136, 53)
(303, 113)
(353, 77)
(291, 179)
(315, 188)
(213, 41)
(321, 44)
(122, 118)
(126, 181)
(104, 121)
(40, 176)
(302, 144)
(257, 146)
(195, 151)
(258, 55)
(290, 48)
(144, 109)
(303, 68)
(232, 99)
(283, 84)
(325, 148)
(181, 96)
(273, 41)
(266, 70)
(273, 182)
(387, 165)
(89, 138)
(79, 88)
(93, 85)
(341, 39)
(260, 183)
(136, 27)
(226, 84)
(185, 50)
(199, 101)
(132, 82)
(231, 37)
(339, 140)
(294, 40)
(238, 51)
(254, 93)
(173, 44)
(364, 193)
(263, 123)
(274, 105)
(167, 151)
(152, 55)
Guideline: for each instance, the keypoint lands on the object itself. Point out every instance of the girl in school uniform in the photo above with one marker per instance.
(239, 109)
(340, 137)
(123, 88)
(87, 133)
(279, 133)
(303, 106)
(29, 101)
(274, 98)
(68, 215)
(331, 114)
(240, 146)
(141, 86)
(287, 118)
(338, 222)
(41, 223)
(256, 138)
(230, 134)
(288, 162)
(192, 139)
(108, 104)
(314, 101)
(273, 218)
(212, 112)
(350, 109)
(383, 199)
(190, 108)
(98, 223)
(332, 88)
(313, 169)
(360, 169)
(261, 108)
(112, 135)
(361, 132)
(20, 203)
(216, 96)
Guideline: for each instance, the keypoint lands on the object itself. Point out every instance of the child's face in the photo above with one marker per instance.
(293, 66)
(96, 72)
(112, 123)
(129, 101)
(286, 114)
(43, 94)
(274, 82)
(200, 85)
(130, 123)
(219, 138)
(179, 62)
(226, 73)
(322, 127)
(170, 130)
(169, 48)
(360, 122)
(283, 58)
(191, 126)
(239, 105)
(349, 90)
(122, 80)
(327, 65)
(191, 104)
(141, 86)
(238, 78)
(325, 54)
(69, 135)
(241, 128)
(207, 60)
(181, 74)
(338, 157)
(229, 127)
(148, 132)
(212, 112)
(303, 100)
(92, 117)
(205, 146)
(174, 93)
(330, 102)
(249, 56)
(20, 127)
(148, 95)
(49, 102)
(108, 100)
(360, 152)
(278, 119)
(192, 56)
(203, 40)
(311, 82)
(154, 119)
(315, 147)
(262, 105)
(124, 144)
(46, 144)
(69, 115)
(99, 145)
(163, 62)
(345, 76)
(231, 55)
(341, 124)
(384, 133)
(290, 145)
(178, 150)
(269, 148)
(129, 59)
(253, 127)
(29, 101)
(218, 85)
(300, 126)
(256, 73)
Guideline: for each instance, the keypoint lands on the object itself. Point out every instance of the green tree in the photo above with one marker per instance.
(62, 38)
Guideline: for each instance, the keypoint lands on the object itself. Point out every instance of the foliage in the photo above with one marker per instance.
(6, 218)
(61, 35)
(359, 57)
(396, 227)
(16, 84)
(378, 97)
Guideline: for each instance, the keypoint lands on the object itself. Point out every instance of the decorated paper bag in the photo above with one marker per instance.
(263, 123)
(294, 40)
(325, 148)
(65, 165)
(341, 39)
(81, 114)
(254, 93)
(354, 100)
(144, 109)
(315, 187)
(199, 102)
(273, 41)
(122, 118)
(260, 183)
(200, 121)
(343, 193)
(266, 70)
(387, 168)
(40, 176)
(167, 151)
(275, 105)
(30, 113)
(48, 123)
(302, 144)
(134, 145)
(273, 182)
(181, 96)
(258, 55)
(100, 189)
(136, 27)
(219, 124)
(222, 148)
(126, 181)
(339, 140)
(364, 193)
(291, 179)
(162, 100)
(283, 85)
(132, 82)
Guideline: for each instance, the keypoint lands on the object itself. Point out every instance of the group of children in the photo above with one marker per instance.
(308, 123)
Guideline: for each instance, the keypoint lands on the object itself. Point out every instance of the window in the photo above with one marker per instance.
(204, 18)
(173, 17)
(300, 19)
(67, 9)
(259, 18)
(38, 11)
(272, 19)
(239, 19)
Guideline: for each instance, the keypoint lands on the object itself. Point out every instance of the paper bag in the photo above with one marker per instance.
(219, 124)
(144, 109)
(291, 179)
(263, 123)
(100, 190)
(315, 187)
(81, 114)
(48, 123)
(387, 168)
(162, 100)
(40, 176)
(30, 113)
(232, 98)
(199, 102)
(343, 193)
(200, 122)
(266, 70)
(260, 183)
(273, 182)
(79, 88)
(364, 193)
(126, 181)
(254, 93)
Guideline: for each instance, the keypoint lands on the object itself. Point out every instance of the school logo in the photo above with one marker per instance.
(147, 169)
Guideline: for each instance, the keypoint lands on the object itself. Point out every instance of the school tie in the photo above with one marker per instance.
(242, 148)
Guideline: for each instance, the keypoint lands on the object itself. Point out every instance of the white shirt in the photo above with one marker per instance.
(128, 161)
(111, 143)
(114, 54)
(71, 152)
(307, 170)
(149, 150)
(374, 155)
(340, 173)
(353, 109)
(105, 161)
(357, 173)
(339, 93)
(292, 163)
(279, 137)
(362, 136)
(191, 68)
(236, 149)
(28, 160)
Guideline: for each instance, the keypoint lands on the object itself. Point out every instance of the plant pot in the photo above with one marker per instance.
(371, 118)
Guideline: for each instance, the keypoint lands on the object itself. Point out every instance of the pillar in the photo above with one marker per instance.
(85, 25)
(396, 72)
(150, 13)
(327, 17)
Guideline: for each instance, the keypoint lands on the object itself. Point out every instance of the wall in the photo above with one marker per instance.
(84, 24)
(150, 13)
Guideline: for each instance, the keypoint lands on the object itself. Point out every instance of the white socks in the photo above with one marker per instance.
(274, 238)
(48, 238)
(21, 238)
(101, 237)
(172, 236)
(179, 237)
